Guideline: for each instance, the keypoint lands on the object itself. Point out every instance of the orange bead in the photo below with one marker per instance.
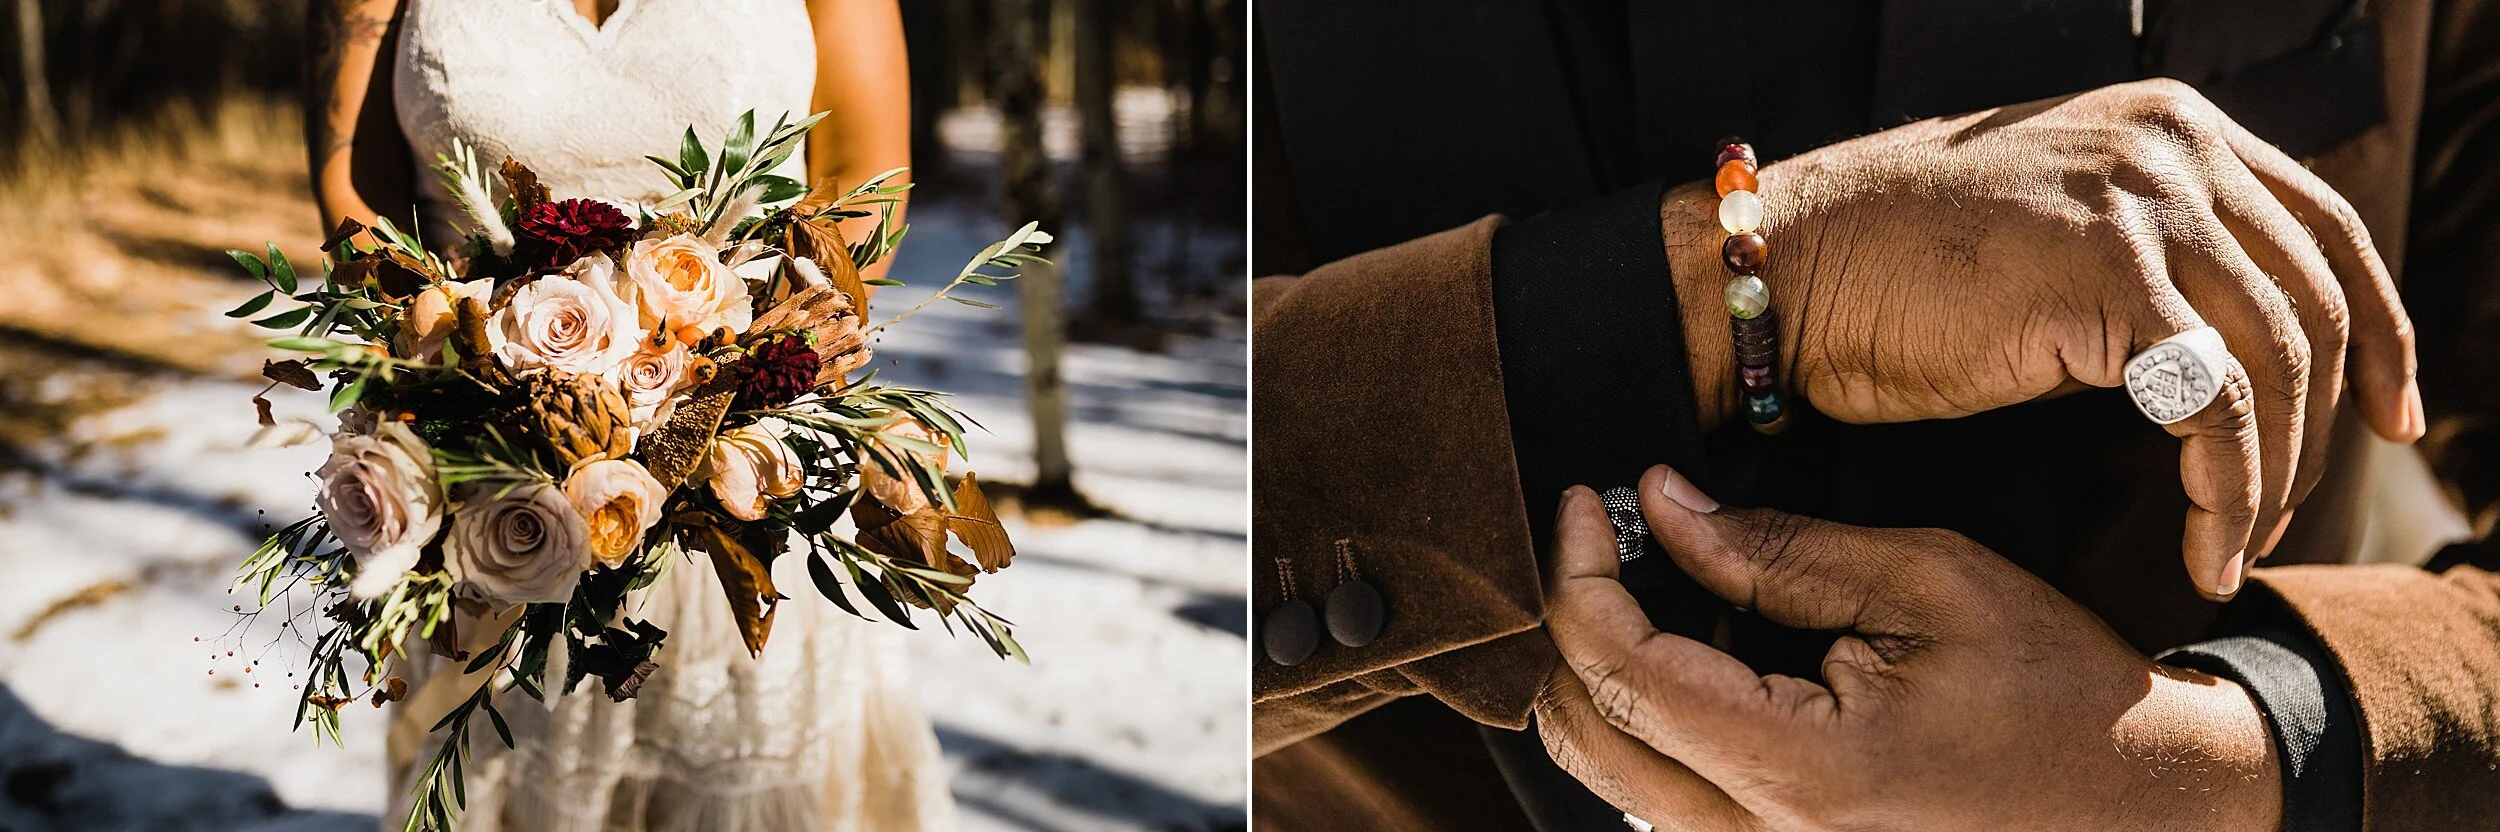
(1736, 175)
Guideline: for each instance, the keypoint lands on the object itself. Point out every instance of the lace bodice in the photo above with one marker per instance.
(822, 731)
(582, 104)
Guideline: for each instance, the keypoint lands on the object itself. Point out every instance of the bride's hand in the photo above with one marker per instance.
(1957, 265)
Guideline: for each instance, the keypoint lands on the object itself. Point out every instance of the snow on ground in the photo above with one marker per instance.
(1132, 715)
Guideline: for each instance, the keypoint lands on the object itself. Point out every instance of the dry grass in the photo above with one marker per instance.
(114, 250)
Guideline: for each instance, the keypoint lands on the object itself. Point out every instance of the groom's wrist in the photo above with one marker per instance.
(1688, 217)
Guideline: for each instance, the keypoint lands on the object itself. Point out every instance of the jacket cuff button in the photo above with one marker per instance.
(1291, 633)
(1355, 613)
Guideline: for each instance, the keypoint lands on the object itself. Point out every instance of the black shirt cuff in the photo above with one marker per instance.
(2317, 734)
(1592, 348)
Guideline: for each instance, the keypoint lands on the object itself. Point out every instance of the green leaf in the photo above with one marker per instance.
(883, 281)
(285, 320)
(734, 155)
(671, 167)
(484, 658)
(251, 306)
(780, 188)
(690, 155)
(826, 583)
(250, 263)
(347, 394)
(879, 597)
(501, 730)
(302, 344)
(979, 280)
(676, 199)
(971, 302)
(280, 271)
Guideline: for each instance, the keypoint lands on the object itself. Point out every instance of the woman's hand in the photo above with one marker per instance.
(1958, 265)
(1965, 695)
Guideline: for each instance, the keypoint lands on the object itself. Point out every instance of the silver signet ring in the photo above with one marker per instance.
(2178, 376)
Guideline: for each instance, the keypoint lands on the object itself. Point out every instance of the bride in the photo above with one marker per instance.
(822, 731)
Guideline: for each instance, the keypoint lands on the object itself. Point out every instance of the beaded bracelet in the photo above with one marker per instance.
(1755, 326)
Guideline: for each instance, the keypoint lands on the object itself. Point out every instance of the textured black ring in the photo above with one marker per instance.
(1623, 506)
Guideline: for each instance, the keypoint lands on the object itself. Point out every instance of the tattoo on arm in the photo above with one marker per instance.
(338, 28)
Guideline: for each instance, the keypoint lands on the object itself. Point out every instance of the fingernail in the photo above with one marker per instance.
(2415, 423)
(2228, 584)
(1570, 496)
(1685, 494)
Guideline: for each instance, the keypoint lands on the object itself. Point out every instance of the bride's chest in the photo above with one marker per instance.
(516, 69)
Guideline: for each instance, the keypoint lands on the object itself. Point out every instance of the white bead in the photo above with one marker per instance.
(1740, 212)
(1746, 296)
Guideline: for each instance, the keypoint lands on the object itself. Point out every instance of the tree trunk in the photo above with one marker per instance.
(35, 89)
(1113, 302)
(1020, 26)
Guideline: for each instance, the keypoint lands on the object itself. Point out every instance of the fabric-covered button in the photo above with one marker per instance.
(1291, 633)
(1355, 613)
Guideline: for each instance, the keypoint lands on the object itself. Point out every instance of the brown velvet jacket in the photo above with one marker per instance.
(1380, 428)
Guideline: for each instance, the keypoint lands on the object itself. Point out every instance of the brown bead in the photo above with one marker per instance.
(1736, 175)
(1744, 252)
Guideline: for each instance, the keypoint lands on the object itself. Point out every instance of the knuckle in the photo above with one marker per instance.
(2291, 366)
(2344, 217)
(2235, 410)
(1614, 696)
(2170, 108)
(1770, 544)
(2335, 319)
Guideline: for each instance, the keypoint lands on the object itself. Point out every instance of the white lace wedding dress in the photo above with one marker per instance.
(823, 731)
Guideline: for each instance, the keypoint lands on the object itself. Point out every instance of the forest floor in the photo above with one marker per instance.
(127, 496)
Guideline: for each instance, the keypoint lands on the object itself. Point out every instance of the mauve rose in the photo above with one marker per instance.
(748, 466)
(575, 325)
(680, 281)
(651, 377)
(380, 497)
(618, 501)
(524, 545)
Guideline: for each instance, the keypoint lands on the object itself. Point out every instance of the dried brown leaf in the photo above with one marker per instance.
(294, 372)
(348, 227)
(821, 240)
(672, 452)
(523, 183)
(747, 581)
(918, 538)
(976, 524)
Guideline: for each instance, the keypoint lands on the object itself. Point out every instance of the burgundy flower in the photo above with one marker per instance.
(775, 372)
(557, 233)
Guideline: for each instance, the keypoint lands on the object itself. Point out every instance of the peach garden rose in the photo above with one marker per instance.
(680, 281)
(618, 500)
(750, 466)
(431, 318)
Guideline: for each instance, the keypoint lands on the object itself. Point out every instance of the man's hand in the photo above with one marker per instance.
(1958, 265)
(1966, 694)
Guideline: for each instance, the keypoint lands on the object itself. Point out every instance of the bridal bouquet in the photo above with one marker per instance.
(579, 399)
